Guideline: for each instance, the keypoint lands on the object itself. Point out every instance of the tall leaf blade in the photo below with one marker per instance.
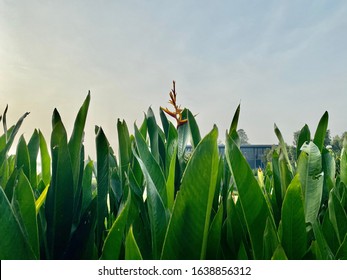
(9, 142)
(322, 244)
(151, 165)
(187, 233)
(304, 136)
(157, 211)
(342, 252)
(294, 237)
(194, 129)
(214, 235)
(153, 134)
(76, 140)
(311, 177)
(103, 183)
(45, 160)
(33, 149)
(132, 251)
(270, 240)
(23, 204)
(82, 242)
(283, 149)
(343, 163)
(338, 216)
(23, 158)
(14, 244)
(124, 146)
(235, 121)
(165, 122)
(254, 206)
(60, 196)
(114, 239)
(321, 131)
(183, 137)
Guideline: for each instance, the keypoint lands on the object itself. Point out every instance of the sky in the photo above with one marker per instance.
(285, 62)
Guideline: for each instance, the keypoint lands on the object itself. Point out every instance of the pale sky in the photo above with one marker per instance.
(285, 61)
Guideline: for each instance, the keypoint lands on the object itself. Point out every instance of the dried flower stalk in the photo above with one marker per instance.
(177, 113)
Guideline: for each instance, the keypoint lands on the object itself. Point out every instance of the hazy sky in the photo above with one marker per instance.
(285, 61)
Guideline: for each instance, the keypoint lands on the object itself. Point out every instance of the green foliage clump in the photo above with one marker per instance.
(154, 201)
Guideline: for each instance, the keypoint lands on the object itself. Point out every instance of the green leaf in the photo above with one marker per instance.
(321, 131)
(114, 239)
(23, 158)
(214, 235)
(33, 149)
(165, 122)
(283, 148)
(254, 206)
(187, 233)
(270, 240)
(171, 146)
(45, 160)
(337, 216)
(234, 227)
(3, 152)
(60, 196)
(14, 244)
(311, 178)
(329, 169)
(304, 136)
(124, 146)
(81, 245)
(294, 237)
(234, 123)
(277, 179)
(41, 199)
(329, 233)
(87, 196)
(153, 134)
(4, 137)
(4, 122)
(103, 183)
(23, 204)
(132, 251)
(342, 252)
(183, 137)
(343, 162)
(279, 254)
(76, 140)
(151, 165)
(194, 129)
(157, 210)
(170, 181)
(323, 247)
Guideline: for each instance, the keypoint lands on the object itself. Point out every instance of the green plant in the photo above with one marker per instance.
(153, 200)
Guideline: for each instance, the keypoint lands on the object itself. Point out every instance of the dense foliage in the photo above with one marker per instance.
(154, 201)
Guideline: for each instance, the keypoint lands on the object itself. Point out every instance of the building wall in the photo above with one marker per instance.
(254, 154)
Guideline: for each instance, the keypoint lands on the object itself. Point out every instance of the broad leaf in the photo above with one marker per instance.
(103, 183)
(60, 196)
(254, 206)
(311, 178)
(14, 244)
(294, 237)
(132, 251)
(114, 238)
(321, 131)
(187, 233)
(23, 204)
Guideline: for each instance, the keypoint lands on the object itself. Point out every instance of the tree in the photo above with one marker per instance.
(337, 143)
(243, 136)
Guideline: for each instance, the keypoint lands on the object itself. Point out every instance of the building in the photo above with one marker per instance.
(254, 154)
